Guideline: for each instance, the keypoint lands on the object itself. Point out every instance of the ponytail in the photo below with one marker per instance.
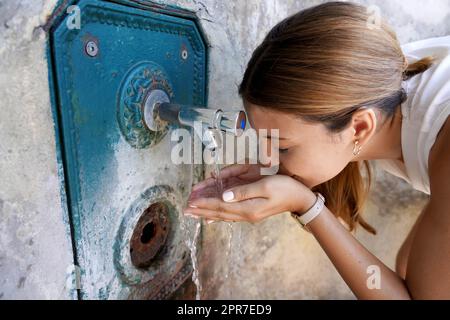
(346, 194)
(418, 67)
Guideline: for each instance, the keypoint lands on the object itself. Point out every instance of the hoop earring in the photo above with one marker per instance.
(357, 151)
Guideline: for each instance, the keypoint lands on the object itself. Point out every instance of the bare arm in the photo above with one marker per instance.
(428, 270)
(402, 256)
(427, 249)
(352, 260)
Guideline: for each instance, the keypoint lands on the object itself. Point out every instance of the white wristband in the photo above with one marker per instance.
(312, 213)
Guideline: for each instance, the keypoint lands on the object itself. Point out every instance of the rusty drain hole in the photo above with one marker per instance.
(149, 235)
(148, 232)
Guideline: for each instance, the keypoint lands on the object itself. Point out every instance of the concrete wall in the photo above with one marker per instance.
(273, 259)
(35, 251)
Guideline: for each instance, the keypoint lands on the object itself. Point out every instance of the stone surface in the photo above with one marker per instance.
(272, 259)
(35, 249)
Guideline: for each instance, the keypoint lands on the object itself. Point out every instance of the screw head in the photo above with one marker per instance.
(91, 48)
(184, 54)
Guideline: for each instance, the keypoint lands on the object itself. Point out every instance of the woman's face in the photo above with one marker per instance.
(307, 152)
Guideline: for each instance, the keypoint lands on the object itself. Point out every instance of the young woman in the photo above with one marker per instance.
(343, 92)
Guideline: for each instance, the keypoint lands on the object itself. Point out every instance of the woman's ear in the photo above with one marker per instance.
(364, 124)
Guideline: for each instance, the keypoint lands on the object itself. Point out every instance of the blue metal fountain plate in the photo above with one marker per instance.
(115, 167)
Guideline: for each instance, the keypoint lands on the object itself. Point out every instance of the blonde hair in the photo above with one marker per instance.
(322, 64)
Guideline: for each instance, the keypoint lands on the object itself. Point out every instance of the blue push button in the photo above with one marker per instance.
(243, 124)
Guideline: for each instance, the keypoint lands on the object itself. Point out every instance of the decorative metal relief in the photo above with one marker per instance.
(140, 80)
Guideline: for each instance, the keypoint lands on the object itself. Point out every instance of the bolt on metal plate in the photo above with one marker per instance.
(91, 48)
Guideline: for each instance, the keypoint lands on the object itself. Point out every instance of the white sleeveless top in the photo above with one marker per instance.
(424, 112)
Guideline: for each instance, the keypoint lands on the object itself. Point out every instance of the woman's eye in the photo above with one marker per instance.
(283, 150)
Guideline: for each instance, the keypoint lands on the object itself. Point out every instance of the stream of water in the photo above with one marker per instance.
(193, 243)
(219, 186)
(219, 182)
(195, 275)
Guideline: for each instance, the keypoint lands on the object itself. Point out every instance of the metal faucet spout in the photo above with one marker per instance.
(233, 121)
(207, 123)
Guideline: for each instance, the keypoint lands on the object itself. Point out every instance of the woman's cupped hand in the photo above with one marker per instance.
(248, 195)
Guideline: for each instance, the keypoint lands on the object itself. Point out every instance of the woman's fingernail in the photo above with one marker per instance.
(228, 196)
(192, 206)
(210, 221)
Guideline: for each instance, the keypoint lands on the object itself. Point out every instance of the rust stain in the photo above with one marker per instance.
(149, 235)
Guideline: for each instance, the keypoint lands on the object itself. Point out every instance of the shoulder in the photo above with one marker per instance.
(426, 273)
(436, 46)
(439, 162)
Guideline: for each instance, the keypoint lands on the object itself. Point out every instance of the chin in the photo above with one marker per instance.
(299, 179)
(305, 182)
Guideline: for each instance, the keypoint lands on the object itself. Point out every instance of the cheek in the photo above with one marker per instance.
(307, 168)
(314, 167)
